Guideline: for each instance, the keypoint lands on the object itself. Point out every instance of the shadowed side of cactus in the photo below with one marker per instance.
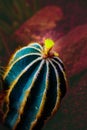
(35, 82)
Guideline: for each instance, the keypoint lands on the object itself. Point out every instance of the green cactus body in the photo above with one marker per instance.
(35, 82)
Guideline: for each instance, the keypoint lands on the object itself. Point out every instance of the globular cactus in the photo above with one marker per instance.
(35, 81)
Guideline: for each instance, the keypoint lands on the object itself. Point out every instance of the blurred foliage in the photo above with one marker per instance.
(14, 12)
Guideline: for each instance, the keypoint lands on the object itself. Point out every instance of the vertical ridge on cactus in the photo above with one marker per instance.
(35, 82)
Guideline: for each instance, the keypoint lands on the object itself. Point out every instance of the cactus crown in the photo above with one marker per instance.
(48, 45)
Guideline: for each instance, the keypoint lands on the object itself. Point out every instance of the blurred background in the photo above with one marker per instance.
(14, 13)
(65, 21)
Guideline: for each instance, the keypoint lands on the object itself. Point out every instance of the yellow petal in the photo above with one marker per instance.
(49, 43)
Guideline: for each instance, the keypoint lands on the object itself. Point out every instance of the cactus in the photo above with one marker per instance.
(35, 82)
